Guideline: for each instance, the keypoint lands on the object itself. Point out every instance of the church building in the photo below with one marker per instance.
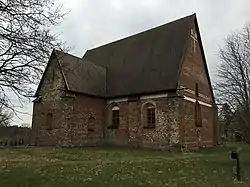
(149, 90)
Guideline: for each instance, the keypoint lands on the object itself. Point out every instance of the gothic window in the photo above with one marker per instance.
(149, 115)
(49, 119)
(199, 137)
(197, 114)
(91, 124)
(115, 118)
(196, 90)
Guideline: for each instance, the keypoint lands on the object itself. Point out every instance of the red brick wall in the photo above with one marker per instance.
(193, 71)
(189, 131)
(84, 108)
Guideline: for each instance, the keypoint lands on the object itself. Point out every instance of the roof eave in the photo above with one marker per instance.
(204, 59)
(63, 74)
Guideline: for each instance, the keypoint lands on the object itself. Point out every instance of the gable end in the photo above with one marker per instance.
(53, 56)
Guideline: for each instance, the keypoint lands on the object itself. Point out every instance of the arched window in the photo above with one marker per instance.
(199, 137)
(91, 124)
(115, 118)
(197, 114)
(49, 119)
(149, 118)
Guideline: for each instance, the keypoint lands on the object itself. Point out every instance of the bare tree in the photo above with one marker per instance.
(233, 85)
(26, 41)
(226, 116)
(5, 117)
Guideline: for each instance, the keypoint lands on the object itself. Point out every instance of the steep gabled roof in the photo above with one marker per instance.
(145, 62)
(204, 57)
(79, 75)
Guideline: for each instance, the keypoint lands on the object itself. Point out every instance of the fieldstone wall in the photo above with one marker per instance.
(51, 102)
(166, 132)
(118, 136)
(71, 114)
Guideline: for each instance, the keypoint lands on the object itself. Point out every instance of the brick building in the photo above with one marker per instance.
(151, 90)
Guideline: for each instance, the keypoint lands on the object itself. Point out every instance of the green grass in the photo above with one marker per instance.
(47, 167)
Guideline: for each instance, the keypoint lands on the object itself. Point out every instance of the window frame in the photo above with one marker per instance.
(115, 118)
(91, 126)
(149, 116)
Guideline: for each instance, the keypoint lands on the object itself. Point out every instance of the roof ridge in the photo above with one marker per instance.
(81, 59)
(78, 58)
(150, 29)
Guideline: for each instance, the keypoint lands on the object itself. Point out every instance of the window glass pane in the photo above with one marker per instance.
(151, 116)
(49, 121)
(115, 117)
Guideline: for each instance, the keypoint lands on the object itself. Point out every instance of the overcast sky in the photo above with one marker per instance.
(91, 23)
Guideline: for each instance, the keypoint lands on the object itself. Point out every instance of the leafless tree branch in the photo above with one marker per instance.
(26, 41)
(233, 85)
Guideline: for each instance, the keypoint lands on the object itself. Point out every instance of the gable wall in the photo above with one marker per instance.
(52, 80)
(50, 91)
(193, 71)
(70, 113)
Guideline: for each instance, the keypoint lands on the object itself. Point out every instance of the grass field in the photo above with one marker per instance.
(44, 167)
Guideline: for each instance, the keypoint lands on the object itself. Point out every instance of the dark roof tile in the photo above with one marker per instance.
(145, 62)
(82, 75)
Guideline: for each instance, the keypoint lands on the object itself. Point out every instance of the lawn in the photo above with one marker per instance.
(117, 167)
